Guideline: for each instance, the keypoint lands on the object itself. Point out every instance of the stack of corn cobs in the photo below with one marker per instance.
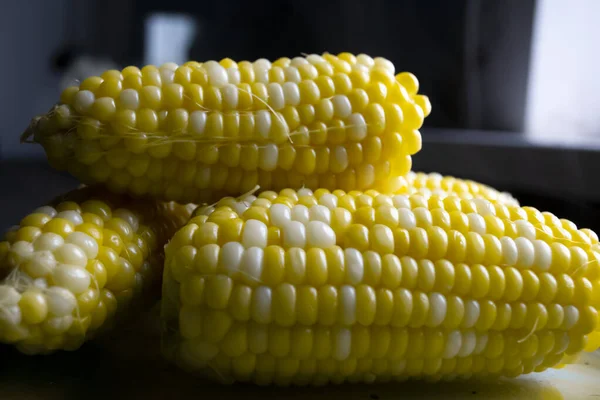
(315, 254)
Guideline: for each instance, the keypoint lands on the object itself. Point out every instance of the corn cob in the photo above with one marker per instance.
(201, 131)
(303, 288)
(73, 267)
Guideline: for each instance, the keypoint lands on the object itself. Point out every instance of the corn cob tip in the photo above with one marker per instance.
(70, 268)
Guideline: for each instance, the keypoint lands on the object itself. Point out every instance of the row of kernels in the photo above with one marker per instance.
(161, 179)
(196, 93)
(362, 232)
(320, 343)
(393, 344)
(263, 125)
(286, 304)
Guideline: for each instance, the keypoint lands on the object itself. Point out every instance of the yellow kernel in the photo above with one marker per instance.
(92, 83)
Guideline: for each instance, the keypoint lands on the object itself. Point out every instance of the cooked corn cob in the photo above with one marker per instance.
(73, 267)
(200, 131)
(309, 288)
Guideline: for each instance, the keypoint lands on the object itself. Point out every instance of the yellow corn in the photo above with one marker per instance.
(302, 288)
(200, 131)
(73, 267)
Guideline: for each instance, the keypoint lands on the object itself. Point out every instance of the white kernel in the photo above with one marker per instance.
(292, 74)
(85, 242)
(251, 265)
(480, 346)
(217, 75)
(268, 157)
(83, 100)
(71, 254)
(40, 264)
(509, 251)
(60, 301)
(300, 213)
(172, 66)
(453, 345)
(348, 305)
(298, 61)
(437, 309)
(472, 310)
(276, 96)
(167, 75)
(128, 217)
(384, 63)
(22, 249)
(406, 218)
(315, 59)
(339, 157)
(571, 317)
(365, 60)
(230, 96)
(476, 223)
(329, 200)
(254, 234)
(73, 278)
(525, 229)
(263, 123)
(319, 234)
(263, 63)
(60, 324)
(543, 255)
(469, 341)
(360, 67)
(50, 211)
(240, 207)
(233, 75)
(40, 283)
(72, 216)
(10, 315)
(261, 75)
(130, 99)
(526, 252)
(320, 213)
(280, 215)
(341, 106)
(291, 93)
(356, 127)
(484, 207)
(401, 201)
(294, 234)
(261, 305)
(197, 122)
(304, 192)
(9, 296)
(342, 344)
(354, 265)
